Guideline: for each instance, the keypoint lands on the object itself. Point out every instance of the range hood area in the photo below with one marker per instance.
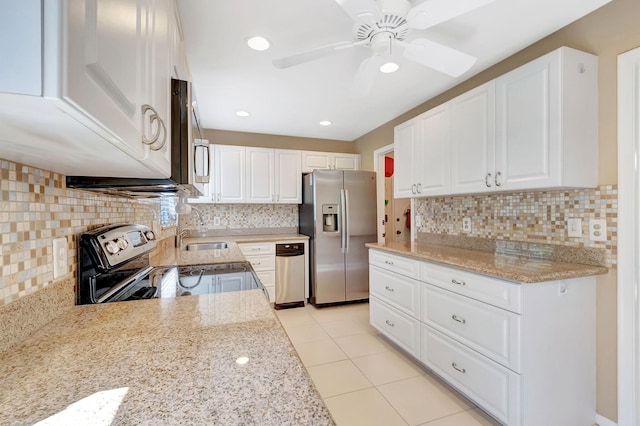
(184, 127)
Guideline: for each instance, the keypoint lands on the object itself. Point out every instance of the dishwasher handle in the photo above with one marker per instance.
(287, 250)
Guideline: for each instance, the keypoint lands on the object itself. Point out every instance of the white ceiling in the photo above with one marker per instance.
(228, 76)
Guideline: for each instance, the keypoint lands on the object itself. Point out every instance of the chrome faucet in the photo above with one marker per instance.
(185, 232)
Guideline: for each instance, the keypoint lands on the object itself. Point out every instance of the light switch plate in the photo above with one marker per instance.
(59, 257)
(574, 227)
(598, 230)
(216, 221)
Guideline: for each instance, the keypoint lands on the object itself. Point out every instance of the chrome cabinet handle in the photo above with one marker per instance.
(498, 174)
(389, 288)
(160, 129)
(389, 323)
(456, 282)
(487, 180)
(419, 188)
(413, 188)
(388, 262)
(458, 319)
(460, 369)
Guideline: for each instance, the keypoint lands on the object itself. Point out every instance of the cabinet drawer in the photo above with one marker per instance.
(496, 389)
(391, 262)
(249, 249)
(267, 278)
(491, 331)
(402, 329)
(397, 290)
(496, 292)
(262, 263)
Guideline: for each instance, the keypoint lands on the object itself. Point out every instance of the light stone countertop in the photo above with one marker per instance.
(161, 362)
(512, 268)
(168, 255)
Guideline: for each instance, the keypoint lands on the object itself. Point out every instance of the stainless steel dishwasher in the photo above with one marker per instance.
(289, 275)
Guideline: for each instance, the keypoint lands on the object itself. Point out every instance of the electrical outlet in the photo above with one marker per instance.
(216, 221)
(598, 230)
(574, 227)
(466, 224)
(418, 220)
(59, 257)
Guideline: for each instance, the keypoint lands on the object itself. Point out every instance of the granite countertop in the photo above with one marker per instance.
(161, 362)
(168, 255)
(513, 268)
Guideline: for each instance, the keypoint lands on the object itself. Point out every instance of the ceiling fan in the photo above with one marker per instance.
(382, 25)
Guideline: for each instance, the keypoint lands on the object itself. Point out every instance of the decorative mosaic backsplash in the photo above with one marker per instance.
(533, 217)
(240, 216)
(35, 208)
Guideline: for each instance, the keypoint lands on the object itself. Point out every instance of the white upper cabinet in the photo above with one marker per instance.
(288, 174)
(230, 174)
(473, 140)
(421, 151)
(260, 175)
(103, 93)
(535, 127)
(312, 160)
(547, 123)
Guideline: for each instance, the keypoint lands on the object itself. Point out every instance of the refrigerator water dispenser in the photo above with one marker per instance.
(329, 217)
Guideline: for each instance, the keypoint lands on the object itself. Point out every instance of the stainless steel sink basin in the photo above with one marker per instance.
(206, 246)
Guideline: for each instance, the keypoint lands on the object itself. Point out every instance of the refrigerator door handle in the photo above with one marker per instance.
(346, 220)
(343, 221)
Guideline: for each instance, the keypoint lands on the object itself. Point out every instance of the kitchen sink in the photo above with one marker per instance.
(206, 246)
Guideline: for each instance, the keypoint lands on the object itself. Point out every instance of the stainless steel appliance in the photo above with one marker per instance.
(187, 147)
(338, 213)
(114, 266)
(289, 275)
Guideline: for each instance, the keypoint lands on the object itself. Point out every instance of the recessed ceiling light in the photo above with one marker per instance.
(258, 43)
(389, 67)
(242, 113)
(325, 123)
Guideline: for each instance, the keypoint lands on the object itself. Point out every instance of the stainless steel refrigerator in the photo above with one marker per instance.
(338, 213)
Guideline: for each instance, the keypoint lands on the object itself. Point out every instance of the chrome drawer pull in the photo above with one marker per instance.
(454, 281)
(389, 323)
(388, 262)
(455, 367)
(389, 288)
(496, 179)
(487, 181)
(458, 319)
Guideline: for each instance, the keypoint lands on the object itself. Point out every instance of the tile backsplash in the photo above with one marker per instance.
(35, 208)
(531, 217)
(240, 217)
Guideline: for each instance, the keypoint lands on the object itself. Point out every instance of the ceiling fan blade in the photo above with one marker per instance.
(433, 12)
(311, 55)
(366, 76)
(360, 10)
(437, 56)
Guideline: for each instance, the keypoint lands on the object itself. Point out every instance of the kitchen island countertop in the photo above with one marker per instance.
(519, 269)
(161, 362)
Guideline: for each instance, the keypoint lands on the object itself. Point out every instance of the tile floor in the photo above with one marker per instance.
(364, 379)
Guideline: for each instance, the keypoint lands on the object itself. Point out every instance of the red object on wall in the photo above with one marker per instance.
(388, 166)
(407, 221)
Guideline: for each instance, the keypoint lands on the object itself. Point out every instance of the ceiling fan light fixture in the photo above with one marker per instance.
(258, 43)
(326, 123)
(389, 67)
(242, 114)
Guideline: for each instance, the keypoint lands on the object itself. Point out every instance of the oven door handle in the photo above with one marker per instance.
(124, 283)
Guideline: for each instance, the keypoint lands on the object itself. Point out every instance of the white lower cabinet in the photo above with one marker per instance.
(263, 261)
(524, 353)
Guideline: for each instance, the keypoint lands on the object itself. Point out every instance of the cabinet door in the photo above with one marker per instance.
(103, 73)
(230, 174)
(312, 160)
(432, 158)
(288, 171)
(473, 140)
(260, 175)
(405, 146)
(528, 113)
(157, 81)
(346, 161)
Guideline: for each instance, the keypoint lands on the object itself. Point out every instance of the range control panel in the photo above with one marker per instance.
(126, 242)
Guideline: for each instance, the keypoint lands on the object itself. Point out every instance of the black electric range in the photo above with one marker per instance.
(113, 266)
